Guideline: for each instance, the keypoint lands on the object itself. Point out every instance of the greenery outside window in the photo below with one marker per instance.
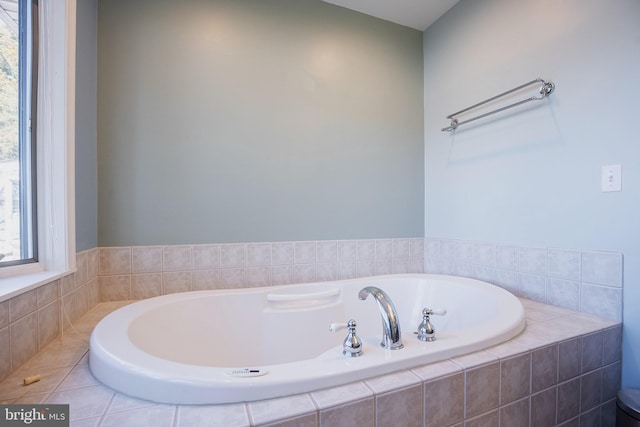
(18, 94)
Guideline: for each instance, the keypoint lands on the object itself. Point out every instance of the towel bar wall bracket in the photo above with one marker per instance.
(546, 89)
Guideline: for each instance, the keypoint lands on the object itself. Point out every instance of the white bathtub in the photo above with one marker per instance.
(226, 346)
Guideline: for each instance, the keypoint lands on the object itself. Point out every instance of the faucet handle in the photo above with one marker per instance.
(352, 345)
(426, 332)
(436, 311)
(336, 327)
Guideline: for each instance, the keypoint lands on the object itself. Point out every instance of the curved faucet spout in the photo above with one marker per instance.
(391, 336)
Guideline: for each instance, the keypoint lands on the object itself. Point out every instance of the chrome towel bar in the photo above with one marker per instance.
(546, 89)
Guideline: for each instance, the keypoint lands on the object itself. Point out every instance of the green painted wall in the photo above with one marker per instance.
(85, 126)
(243, 121)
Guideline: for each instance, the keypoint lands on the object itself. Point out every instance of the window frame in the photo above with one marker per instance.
(27, 112)
(55, 153)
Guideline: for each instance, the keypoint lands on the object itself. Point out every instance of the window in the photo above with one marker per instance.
(53, 254)
(18, 58)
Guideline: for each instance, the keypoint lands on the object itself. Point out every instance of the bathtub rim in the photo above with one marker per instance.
(191, 380)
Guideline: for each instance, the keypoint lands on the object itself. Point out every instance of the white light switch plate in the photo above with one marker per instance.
(611, 179)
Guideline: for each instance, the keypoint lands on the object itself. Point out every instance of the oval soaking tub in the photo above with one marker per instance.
(223, 346)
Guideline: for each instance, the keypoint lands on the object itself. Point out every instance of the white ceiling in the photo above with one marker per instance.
(418, 14)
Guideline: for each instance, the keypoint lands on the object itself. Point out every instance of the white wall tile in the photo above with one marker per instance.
(4, 313)
(115, 261)
(67, 284)
(488, 274)
(46, 294)
(81, 268)
(563, 293)
(327, 271)
(282, 253)
(327, 251)
(115, 288)
(417, 265)
(24, 339)
(205, 280)
(401, 248)
(258, 254)
(146, 285)
(74, 305)
(446, 266)
(416, 247)
(231, 278)
(146, 259)
(305, 252)
(365, 268)
(431, 266)
(282, 274)
(533, 260)
(602, 268)
(5, 352)
(232, 255)
(258, 276)
(93, 263)
(533, 287)
(347, 250)
(602, 301)
(305, 273)
(401, 265)
(384, 248)
(177, 258)
(485, 254)
(447, 248)
(563, 263)
(93, 292)
(206, 257)
(464, 269)
(366, 250)
(431, 248)
(507, 257)
(509, 280)
(347, 270)
(464, 251)
(384, 266)
(176, 281)
(23, 304)
(554, 275)
(48, 323)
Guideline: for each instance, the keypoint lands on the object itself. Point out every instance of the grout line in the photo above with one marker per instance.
(106, 409)
(176, 415)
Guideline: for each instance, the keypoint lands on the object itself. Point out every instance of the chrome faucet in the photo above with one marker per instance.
(391, 336)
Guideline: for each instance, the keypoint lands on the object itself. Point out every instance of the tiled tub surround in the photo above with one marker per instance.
(580, 280)
(563, 370)
(140, 272)
(32, 320)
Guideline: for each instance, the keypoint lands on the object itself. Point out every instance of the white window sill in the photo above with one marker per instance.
(14, 286)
